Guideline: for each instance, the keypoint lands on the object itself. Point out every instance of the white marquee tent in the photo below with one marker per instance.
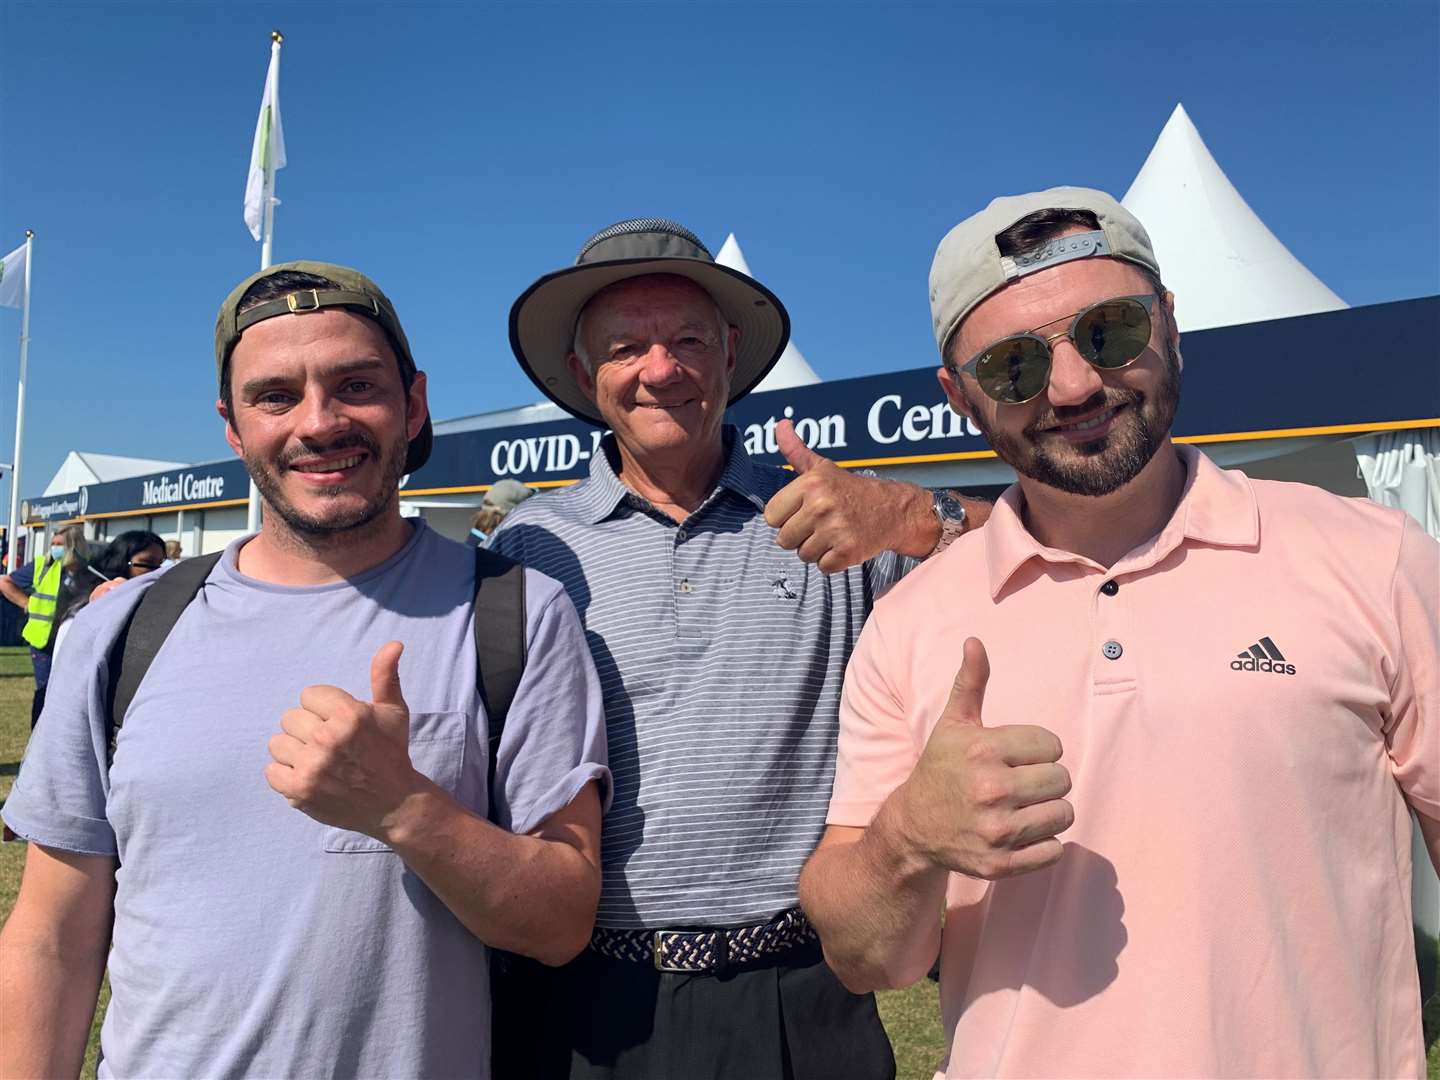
(83, 467)
(791, 369)
(1224, 266)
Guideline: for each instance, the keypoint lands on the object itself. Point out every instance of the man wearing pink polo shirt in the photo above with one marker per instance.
(1221, 691)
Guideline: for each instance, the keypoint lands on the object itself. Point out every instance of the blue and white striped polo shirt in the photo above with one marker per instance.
(720, 657)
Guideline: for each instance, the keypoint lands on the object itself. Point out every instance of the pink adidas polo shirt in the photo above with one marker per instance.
(1247, 703)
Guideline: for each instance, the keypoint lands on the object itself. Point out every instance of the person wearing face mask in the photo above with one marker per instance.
(47, 588)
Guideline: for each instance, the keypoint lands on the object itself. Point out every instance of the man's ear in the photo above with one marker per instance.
(733, 349)
(950, 383)
(1172, 328)
(232, 437)
(582, 377)
(417, 406)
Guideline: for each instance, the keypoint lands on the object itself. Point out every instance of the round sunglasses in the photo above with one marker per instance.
(1110, 335)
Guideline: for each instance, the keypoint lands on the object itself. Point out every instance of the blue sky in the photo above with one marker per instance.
(455, 152)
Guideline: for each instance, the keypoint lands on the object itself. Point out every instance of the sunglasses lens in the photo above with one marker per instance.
(1014, 370)
(1114, 333)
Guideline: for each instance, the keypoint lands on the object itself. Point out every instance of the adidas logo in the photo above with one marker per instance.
(1264, 655)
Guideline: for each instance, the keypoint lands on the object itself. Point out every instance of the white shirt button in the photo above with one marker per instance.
(1112, 650)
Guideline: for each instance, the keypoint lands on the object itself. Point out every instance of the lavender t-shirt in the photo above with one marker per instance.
(250, 939)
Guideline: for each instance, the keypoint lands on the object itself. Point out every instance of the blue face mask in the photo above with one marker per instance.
(57, 551)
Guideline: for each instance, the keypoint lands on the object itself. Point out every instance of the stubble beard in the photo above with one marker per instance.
(315, 530)
(1106, 464)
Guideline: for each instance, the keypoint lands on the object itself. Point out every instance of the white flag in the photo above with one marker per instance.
(12, 278)
(268, 150)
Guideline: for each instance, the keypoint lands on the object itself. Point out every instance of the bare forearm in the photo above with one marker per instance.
(876, 907)
(48, 992)
(13, 593)
(519, 893)
(919, 528)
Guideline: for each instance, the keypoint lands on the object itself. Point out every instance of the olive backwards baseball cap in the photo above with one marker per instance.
(354, 291)
(968, 265)
(542, 320)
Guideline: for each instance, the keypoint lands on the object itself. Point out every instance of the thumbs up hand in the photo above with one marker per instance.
(986, 801)
(347, 762)
(837, 519)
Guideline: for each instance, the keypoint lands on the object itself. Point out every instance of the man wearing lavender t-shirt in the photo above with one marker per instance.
(288, 861)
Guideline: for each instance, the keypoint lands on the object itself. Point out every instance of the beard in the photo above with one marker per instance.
(1103, 465)
(315, 526)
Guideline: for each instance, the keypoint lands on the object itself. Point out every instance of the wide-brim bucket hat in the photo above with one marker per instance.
(542, 320)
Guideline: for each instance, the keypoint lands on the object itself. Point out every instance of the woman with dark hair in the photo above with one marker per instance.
(130, 555)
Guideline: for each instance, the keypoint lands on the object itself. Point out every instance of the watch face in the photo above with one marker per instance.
(948, 507)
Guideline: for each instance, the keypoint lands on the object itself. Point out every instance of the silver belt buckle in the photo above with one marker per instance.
(658, 948)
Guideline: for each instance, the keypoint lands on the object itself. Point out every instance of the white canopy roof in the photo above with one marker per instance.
(82, 467)
(791, 369)
(1224, 266)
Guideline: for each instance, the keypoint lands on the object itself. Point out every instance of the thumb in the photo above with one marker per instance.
(967, 694)
(385, 676)
(793, 447)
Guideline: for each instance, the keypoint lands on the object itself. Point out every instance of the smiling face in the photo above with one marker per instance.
(1092, 431)
(657, 365)
(321, 417)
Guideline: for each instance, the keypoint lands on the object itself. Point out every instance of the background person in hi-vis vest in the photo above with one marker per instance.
(46, 589)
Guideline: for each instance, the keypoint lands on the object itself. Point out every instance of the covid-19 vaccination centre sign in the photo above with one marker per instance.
(1312, 375)
(1340, 372)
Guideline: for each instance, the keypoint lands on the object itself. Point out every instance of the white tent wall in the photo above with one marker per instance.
(1402, 469)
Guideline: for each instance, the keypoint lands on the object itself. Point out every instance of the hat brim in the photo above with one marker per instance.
(419, 449)
(542, 323)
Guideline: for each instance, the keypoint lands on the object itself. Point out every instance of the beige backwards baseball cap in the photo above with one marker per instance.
(354, 291)
(968, 265)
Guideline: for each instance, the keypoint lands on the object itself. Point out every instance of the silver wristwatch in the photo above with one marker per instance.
(950, 512)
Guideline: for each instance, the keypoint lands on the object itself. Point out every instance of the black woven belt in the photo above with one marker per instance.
(705, 950)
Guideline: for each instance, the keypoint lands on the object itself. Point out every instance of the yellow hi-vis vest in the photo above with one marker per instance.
(44, 595)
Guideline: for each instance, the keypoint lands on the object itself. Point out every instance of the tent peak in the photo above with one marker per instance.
(792, 369)
(1222, 262)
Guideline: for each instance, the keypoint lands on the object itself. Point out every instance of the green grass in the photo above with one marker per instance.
(911, 1016)
(912, 1020)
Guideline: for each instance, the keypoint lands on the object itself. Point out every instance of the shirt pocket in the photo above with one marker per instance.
(437, 749)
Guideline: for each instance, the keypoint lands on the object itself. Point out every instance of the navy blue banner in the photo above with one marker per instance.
(220, 481)
(1355, 369)
(193, 486)
(1361, 366)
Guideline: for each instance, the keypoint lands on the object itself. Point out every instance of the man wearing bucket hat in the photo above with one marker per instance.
(308, 878)
(705, 583)
(1247, 712)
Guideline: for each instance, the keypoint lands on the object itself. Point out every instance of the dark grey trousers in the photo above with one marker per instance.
(786, 1019)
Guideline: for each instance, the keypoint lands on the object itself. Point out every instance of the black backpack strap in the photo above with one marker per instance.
(146, 630)
(499, 617)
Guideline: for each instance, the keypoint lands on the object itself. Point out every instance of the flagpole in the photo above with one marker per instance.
(11, 539)
(252, 519)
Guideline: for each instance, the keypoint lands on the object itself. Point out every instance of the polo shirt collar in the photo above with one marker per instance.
(599, 498)
(1217, 507)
